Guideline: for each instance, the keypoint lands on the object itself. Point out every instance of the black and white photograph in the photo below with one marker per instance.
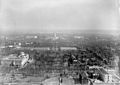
(59, 42)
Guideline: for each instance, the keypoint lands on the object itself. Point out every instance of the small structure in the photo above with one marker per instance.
(25, 59)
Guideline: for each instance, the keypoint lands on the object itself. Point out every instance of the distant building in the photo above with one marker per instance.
(17, 44)
(43, 48)
(67, 48)
(79, 37)
(28, 37)
(10, 46)
(36, 48)
(35, 36)
(2, 46)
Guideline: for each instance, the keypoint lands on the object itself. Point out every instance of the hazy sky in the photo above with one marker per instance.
(55, 15)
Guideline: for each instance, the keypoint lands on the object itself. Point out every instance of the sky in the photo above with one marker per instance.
(57, 15)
